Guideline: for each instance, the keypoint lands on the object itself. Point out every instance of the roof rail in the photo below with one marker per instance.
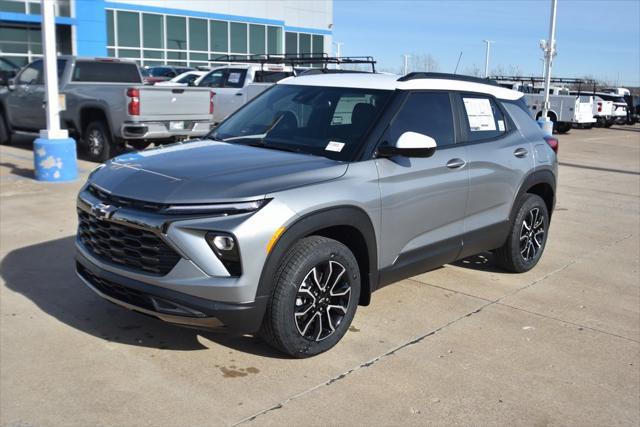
(296, 59)
(534, 79)
(445, 76)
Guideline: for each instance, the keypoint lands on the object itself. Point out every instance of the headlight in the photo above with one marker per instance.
(216, 208)
(225, 247)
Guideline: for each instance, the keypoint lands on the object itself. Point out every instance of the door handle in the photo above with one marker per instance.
(238, 93)
(456, 163)
(520, 152)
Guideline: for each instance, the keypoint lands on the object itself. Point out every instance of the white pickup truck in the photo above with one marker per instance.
(236, 84)
(565, 109)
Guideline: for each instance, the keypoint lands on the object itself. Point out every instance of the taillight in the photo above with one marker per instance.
(599, 107)
(553, 143)
(134, 101)
(211, 95)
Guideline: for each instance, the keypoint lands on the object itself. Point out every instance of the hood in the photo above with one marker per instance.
(210, 171)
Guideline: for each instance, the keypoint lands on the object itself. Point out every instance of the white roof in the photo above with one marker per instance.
(390, 82)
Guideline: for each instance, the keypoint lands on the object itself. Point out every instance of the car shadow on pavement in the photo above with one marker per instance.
(45, 273)
(482, 262)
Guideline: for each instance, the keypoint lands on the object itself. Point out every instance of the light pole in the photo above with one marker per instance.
(54, 153)
(338, 48)
(486, 57)
(405, 69)
(549, 48)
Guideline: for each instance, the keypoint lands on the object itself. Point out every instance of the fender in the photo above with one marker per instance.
(543, 176)
(77, 117)
(309, 224)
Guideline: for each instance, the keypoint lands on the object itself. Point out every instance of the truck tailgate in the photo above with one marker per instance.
(170, 103)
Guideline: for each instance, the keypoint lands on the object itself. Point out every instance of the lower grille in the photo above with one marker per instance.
(114, 290)
(132, 247)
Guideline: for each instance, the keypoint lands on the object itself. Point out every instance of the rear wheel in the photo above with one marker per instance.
(98, 141)
(562, 127)
(527, 238)
(316, 294)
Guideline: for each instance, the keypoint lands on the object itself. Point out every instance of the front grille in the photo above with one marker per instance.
(123, 202)
(120, 244)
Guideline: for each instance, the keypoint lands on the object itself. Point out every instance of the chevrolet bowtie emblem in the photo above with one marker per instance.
(103, 211)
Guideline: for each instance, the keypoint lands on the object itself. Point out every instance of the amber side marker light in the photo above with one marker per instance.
(274, 238)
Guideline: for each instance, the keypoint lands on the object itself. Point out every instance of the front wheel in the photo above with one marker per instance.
(527, 238)
(5, 132)
(316, 294)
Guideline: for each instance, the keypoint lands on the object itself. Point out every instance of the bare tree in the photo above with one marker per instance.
(423, 62)
(514, 70)
(474, 71)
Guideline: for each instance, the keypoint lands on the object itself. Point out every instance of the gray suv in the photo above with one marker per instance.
(321, 190)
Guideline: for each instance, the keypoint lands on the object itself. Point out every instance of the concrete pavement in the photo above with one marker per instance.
(464, 344)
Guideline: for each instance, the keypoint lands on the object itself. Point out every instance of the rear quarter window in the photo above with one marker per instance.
(106, 72)
(485, 120)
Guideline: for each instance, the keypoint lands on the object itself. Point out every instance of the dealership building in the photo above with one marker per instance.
(179, 32)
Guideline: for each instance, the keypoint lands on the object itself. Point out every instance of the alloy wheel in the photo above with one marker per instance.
(322, 300)
(96, 142)
(532, 234)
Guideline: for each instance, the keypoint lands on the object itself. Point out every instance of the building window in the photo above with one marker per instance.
(274, 40)
(128, 29)
(257, 39)
(291, 43)
(153, 31)
(238, 37)
(61, 7)
(22, 44)
(198, 39)
(219, 33)
(176, 33)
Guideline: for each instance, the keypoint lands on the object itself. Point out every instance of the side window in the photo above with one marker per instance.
(235, 78)
(213, 79)
(428, 113)
(32, 74)
(484, 119)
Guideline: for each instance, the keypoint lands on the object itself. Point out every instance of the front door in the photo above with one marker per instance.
(422, 199)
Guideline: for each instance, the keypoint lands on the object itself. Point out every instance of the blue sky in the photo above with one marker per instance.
(600, 38)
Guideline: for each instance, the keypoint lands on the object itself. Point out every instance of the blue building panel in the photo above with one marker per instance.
(91, 28)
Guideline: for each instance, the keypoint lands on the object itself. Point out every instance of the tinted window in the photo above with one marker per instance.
(235, 78)
(484, 119)
(428, 113)
(213, 79)
(110, 72)
(271, 76)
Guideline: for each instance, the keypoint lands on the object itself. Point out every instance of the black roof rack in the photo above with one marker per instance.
(446, 76)
(297, 59)
(533, 79)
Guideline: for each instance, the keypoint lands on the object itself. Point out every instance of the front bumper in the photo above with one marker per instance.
(161, 130)
(168, 305)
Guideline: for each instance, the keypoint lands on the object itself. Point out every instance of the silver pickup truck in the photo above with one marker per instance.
(105, 105)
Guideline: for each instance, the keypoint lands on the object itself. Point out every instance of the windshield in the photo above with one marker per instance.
(324, 121)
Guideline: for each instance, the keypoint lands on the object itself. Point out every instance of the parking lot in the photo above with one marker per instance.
(464, 344)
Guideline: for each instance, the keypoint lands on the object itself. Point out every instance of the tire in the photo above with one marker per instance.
(562, 127)
(5, 133)
(139, 145)
(290, 324)
(97, 138)
(521, 253)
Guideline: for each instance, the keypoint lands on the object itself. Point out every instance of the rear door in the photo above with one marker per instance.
(423, 199)
(22, 101)
(231, 96)
(499, 157)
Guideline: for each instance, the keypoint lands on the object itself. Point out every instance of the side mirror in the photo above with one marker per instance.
(410, 144)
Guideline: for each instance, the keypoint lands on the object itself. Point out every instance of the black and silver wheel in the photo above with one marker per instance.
(528, 236)
(98, 142)
(315, 297)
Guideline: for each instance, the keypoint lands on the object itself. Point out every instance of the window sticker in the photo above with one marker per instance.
(501, 125)
(480, 114)
(334, 146)
(234, 78)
